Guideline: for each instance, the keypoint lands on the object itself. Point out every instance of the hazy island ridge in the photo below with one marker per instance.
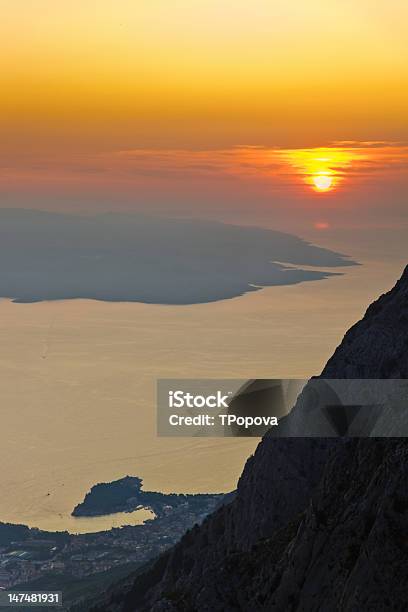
(153, 260)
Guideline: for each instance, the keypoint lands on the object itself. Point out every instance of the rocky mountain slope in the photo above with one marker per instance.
(317, 523)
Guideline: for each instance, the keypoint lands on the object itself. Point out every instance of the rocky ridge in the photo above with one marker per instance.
(317, 523)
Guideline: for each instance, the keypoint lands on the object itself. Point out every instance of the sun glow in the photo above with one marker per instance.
(323, 169)
(322, 182)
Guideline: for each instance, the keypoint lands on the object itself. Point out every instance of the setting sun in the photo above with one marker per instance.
(324, 168)
(322, 182)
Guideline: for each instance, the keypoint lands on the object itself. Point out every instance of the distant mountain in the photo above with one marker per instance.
(154, 260)
(317, 524)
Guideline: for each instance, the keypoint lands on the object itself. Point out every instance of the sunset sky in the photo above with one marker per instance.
(288, 115)
(139, 104)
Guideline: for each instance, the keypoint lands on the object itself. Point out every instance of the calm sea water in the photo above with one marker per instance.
(77, 385)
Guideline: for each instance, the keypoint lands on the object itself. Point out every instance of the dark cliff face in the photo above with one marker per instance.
(317, 523)
(377, 346)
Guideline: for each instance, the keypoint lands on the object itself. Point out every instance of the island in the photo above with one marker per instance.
(116, 257)
(127, 495)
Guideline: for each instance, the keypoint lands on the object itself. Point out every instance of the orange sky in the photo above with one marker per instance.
(353, 184)
(120, 74)
(210, 108)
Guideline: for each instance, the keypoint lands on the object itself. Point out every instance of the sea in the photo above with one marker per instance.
(78, 382)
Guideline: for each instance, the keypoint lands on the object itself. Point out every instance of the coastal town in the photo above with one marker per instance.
(28, 555)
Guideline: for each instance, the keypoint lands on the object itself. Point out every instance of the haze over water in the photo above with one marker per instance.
(78, 383)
